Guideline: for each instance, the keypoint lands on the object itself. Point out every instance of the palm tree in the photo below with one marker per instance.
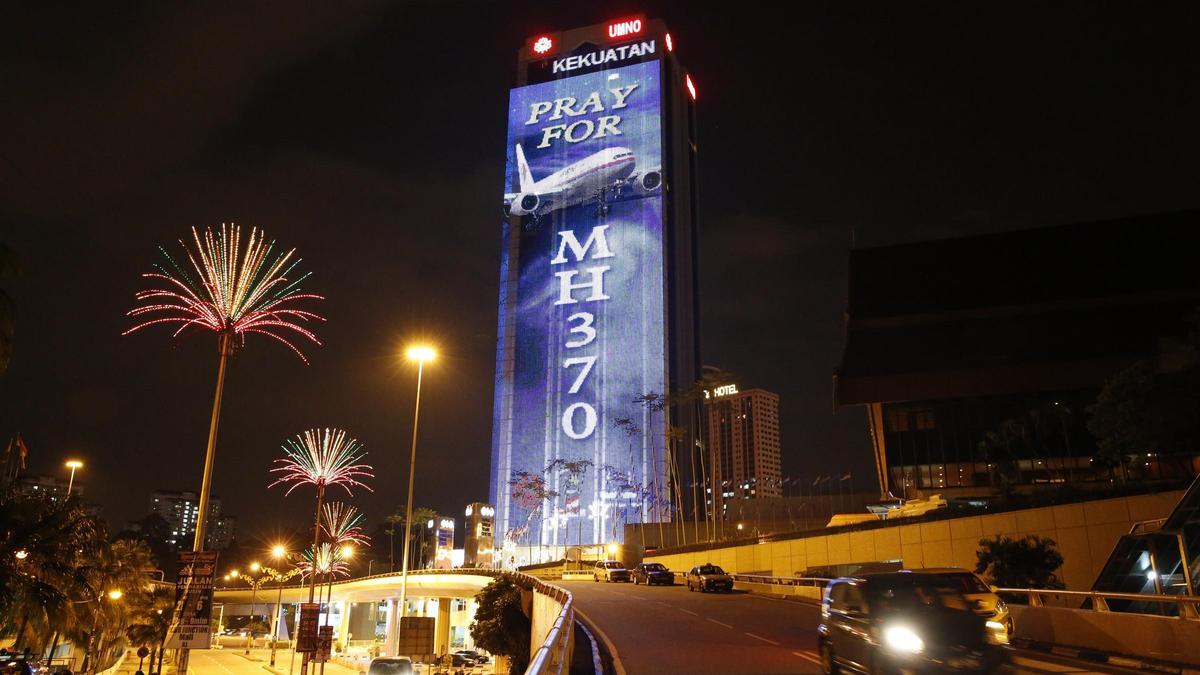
(392, 521)
(421, 516)
(120, 566)
(153, 617)
(40, 542)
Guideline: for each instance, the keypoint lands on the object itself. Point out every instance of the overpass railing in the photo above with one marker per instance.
(1188, 605)
(554, 656)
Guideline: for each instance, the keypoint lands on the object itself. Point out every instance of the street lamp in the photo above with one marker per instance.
(420, 354)
(254, 582)
(114, 595)
(278, 552)
(72, 465)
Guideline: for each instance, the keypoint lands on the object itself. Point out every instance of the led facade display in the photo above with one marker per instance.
(583, 315)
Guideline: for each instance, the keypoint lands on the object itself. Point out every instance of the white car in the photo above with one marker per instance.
(610, 570)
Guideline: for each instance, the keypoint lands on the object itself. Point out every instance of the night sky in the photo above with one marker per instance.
(371, 137)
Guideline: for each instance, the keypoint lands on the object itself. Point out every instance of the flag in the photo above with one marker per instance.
(24, 450)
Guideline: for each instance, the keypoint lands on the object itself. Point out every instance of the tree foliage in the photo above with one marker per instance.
(57, 569)
(1028, 562)
(501, 626)
(1149, 409)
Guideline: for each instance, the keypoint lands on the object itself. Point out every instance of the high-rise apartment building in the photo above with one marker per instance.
(741, 435)
(53, 486)
(180, 510)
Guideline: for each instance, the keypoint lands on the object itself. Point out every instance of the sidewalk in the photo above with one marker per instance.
(129, 665)
(284, 663)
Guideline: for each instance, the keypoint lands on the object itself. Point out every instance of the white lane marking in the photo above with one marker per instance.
(1046, 666)
(756, 637)
(720, 624)
(688, 611)
(808, 657)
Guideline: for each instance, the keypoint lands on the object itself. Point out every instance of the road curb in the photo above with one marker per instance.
(608, 645)
(1118, 660)
(597, 659)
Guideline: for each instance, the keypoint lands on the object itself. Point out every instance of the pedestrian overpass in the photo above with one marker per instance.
(356, 607)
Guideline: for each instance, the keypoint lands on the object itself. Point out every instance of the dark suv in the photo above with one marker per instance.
(903, 622)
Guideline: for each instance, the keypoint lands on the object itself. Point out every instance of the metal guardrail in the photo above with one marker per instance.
(1189, 605)
(554, 656)
(1147, 526)
(813, 582)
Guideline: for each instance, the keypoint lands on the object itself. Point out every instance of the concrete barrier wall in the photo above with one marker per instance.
(543, 613)
(807, 593)
(1086, 533)
(1133, 635)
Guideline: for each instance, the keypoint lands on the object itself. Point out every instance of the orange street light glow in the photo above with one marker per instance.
(278, 551)
(74, 464)
(420, 353)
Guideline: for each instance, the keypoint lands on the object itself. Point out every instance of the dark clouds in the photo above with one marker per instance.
(370, 136)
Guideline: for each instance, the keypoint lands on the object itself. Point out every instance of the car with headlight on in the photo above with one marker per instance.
(982, 598)
(610, 570)
(651, 573)
(709, 577)
(904, 622)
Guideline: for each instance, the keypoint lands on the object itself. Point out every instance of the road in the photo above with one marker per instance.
(665, 630)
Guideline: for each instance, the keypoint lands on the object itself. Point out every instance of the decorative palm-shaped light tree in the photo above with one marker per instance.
(232, 291)
(322, 458)
(342, 524)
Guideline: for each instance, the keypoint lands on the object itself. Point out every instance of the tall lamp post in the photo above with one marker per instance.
(278, 552)
(93, 641)
(255, 583)
(72, 465)
(420, 354)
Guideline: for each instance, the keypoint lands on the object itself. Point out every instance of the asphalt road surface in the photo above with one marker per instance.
(665, 630)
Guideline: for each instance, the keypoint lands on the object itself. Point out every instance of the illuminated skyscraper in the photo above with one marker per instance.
(741, 430)
(597, 286)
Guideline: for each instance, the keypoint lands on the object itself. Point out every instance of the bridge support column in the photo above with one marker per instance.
(392, 631)
(441, 631)
(343, 627)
